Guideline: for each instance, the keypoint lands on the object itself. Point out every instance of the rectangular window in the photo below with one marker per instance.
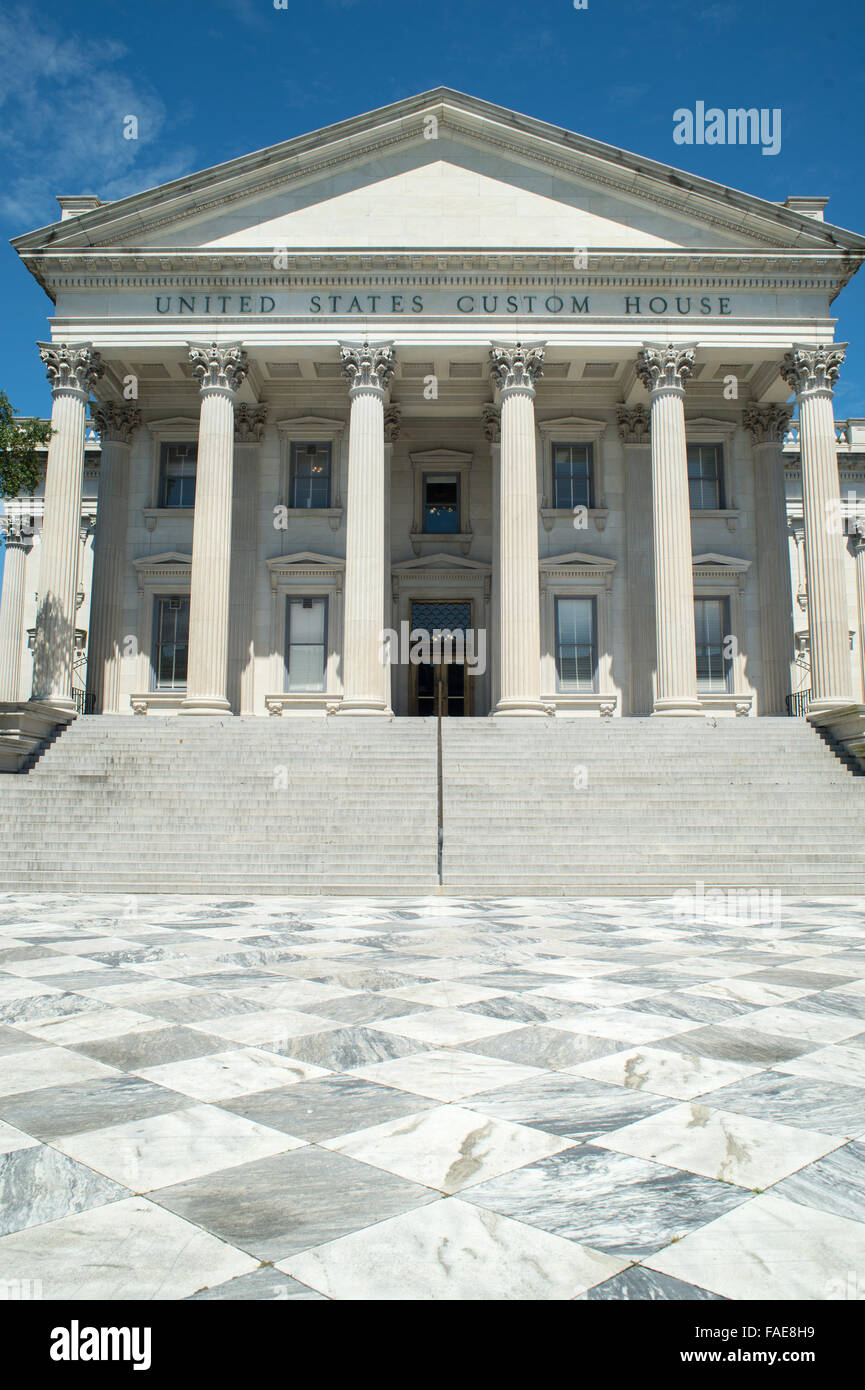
(576, 644)
(573, 483)
(177, 463)
(309, 482)
(714, 664)
(171, 642)
(305, 643)
(706, 477)
(441, 503)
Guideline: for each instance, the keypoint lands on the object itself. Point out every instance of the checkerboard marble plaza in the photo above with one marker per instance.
(430, 1099)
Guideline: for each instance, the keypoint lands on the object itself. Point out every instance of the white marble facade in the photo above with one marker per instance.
(441, 295)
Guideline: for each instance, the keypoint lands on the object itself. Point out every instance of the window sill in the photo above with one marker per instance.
(582, 702)
(725, 703)
(301, 702)
(153, 515)
(728, 514)
(333, 515)
(551, 515)
(441, 540)
(157, 701)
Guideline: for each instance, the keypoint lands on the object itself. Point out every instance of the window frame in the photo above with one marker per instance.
(156, 684)
(561, 686)
(295, 445)
(451, 475)
(720, 502)
(572, 431)
(290, 598)
(726, 632)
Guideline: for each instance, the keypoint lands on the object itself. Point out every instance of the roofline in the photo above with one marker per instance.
(663, 173)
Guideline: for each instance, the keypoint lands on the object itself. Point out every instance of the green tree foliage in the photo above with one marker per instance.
(19, 460)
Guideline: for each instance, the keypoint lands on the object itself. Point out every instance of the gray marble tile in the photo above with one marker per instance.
(277, 1206)
(39, 1184)
(134, 1051)
(364, 1008)
(14, 1040)
(839, 1005)
(799, 977)
(538, 1046)
(799, 1101)
(38, 1007)
(571, 1106)
(732, 1044)
(677, 1005)
(264, 1286)
(526, 1008)
(192, 1007)
(608, 1201)
(639, 1284)
(835, 1183)
(345, 1048)
(61, 1110)
(335, 1105)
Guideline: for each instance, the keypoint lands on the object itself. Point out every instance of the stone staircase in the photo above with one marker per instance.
(349, 806)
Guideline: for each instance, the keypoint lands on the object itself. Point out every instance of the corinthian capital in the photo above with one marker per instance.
(808, 370)
(665, 365)
(115, 421)
(249, 422)
(71, 366)
(392, 423)
(367, 366)
(492, 419)
(633, 423)
(767, 424)
(218, 366)
(516, 366)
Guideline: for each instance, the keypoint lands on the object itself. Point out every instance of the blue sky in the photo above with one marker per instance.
(209, 81)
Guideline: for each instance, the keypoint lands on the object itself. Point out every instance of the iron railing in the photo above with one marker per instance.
(798, 703)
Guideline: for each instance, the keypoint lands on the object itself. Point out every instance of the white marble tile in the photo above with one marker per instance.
(626, 1024)
(41, 1067)
(798, 1023)
(754, 992)
(446, 1027)
(87, 1026)
(769, 1248)
(170, 1148)
(844, 1064)
(259, 1029)
(12, 1139)
(718, 1144)
(124, 1250)
(222, 1075)
(446, 1075)
(445, 994)
(449, 1148)
(594, 991)
(680, 1075)
(451, 1251)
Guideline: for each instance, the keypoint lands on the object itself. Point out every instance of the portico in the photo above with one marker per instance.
(307, 442)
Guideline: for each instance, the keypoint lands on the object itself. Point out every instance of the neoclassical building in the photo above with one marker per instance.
(440, 367)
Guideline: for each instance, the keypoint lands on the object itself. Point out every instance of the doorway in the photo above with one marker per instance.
(445, 676)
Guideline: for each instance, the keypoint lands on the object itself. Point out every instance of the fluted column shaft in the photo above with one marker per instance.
(116, 422)
(811, 373)
(859, 552)
(664, 369)
(368, 369)
(72, 368)
(220, 370)
(249, 423)
(12, 613)
(515, 368)
(768, 424)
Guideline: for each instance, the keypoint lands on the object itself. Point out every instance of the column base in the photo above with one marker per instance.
(829, 702)
(360, 707)
(678, 709)
(508, 709)
(205, 704)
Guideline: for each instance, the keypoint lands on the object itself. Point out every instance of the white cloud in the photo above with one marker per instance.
(62, 109)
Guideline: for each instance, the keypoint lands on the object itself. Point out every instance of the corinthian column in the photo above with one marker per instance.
(768, 425)
(811, 373)
(249, 423)
(18, 543)
(663, 370)
(220, 369)
(514, 370)
(72, 369)
(116, 422)
(368, 368)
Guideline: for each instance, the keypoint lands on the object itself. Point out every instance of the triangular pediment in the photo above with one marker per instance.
(712, 560)
(578, 559)
(306, 559)
(440, 561)
(440, 170)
